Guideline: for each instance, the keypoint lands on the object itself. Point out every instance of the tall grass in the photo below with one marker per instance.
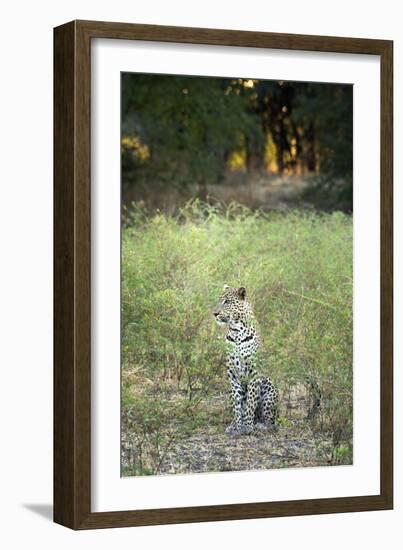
(297, 269)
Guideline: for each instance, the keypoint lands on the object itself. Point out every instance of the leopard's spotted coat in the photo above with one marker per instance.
(254, 397)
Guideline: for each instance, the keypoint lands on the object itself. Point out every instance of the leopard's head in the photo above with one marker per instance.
(233, 306)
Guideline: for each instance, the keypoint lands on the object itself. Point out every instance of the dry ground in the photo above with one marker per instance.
(297, 442)
(209, 451)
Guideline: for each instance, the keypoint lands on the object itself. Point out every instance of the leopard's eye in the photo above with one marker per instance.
(225, 302)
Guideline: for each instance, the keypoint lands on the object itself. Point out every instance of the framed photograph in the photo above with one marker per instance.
(222, 275)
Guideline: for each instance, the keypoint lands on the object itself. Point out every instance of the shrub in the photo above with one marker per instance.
(297, 269)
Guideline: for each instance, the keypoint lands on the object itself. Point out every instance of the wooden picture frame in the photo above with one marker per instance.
(72, 269)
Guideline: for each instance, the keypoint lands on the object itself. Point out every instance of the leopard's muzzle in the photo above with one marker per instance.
(220, 318)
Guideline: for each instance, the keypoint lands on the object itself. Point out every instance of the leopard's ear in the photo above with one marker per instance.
(242, 292)
(226, 287)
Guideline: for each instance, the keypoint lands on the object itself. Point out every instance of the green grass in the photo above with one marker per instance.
(297, 269)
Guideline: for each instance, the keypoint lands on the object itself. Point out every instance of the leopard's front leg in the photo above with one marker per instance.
(252, 394)
(238, 397)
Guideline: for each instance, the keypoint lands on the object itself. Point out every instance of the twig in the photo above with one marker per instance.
(315, 300)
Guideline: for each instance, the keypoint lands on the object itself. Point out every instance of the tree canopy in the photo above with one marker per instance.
(185, 129)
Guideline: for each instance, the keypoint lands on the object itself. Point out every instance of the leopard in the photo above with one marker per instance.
(254, 398)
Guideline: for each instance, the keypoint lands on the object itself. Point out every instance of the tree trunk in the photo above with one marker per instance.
(311, 156)
(254, 155)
